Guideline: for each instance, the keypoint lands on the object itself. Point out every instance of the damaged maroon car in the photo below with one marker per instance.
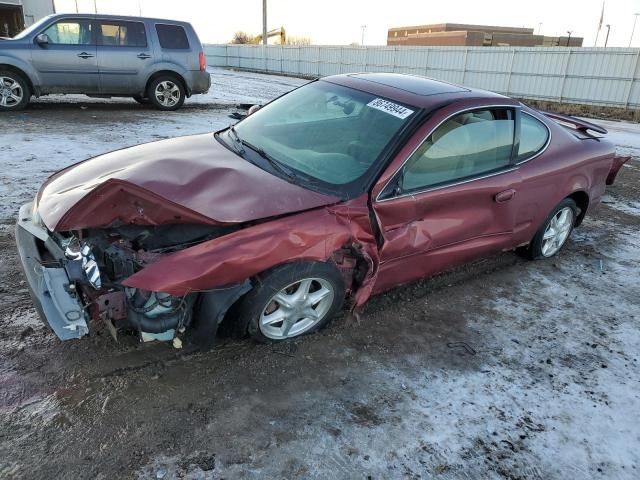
(343, 188)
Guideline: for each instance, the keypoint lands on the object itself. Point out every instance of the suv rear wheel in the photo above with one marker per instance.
(14, 91)
(166, 93)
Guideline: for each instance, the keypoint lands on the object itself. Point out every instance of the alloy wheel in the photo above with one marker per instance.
(167, 93)
(296, 308)
(557, 231)
(11, 92)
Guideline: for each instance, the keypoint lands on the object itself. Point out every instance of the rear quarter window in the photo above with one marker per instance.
(533, 136)
(172, 37)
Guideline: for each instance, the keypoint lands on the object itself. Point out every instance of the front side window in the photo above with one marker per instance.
(122, 34)
(330, 133)
(533, 136)
(172, 37)
(468, 145)
(70, 32)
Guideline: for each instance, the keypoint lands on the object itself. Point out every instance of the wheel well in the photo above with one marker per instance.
(582, 201)
(22, 73)
(170, 73)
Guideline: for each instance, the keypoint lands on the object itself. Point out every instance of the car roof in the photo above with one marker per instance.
(415, 90)
(117, 17)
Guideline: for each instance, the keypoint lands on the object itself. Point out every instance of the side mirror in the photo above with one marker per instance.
(42, 39)
(253, 109)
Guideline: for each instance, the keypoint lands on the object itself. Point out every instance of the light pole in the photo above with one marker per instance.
(539, 27)
(264, 22)
(606, 40)
(569, 37)
(633, 30)
(363, 28)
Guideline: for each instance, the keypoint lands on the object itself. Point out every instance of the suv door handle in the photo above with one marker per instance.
(143, 56)
(85, 55)
(505, 196)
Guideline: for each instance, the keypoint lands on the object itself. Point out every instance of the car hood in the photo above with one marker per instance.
(190, 179)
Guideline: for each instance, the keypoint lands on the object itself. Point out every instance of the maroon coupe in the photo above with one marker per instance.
(340, 189)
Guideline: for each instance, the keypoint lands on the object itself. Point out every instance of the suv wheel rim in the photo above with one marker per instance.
(557, 231)
(11, 92)
(167, 93)
(296, 308)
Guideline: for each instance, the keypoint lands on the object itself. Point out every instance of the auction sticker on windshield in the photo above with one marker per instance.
(390, 108)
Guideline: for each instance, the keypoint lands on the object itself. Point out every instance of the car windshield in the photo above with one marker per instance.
(326, 132)
(31, 28)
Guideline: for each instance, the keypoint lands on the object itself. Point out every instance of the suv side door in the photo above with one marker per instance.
(67, 63)
(454, 198)
(125, 56)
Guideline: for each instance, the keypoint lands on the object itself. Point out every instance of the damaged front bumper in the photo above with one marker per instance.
(53, 294)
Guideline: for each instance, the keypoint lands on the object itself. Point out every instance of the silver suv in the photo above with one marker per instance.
(154, 61)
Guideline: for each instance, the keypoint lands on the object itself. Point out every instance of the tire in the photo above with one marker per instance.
(165, 83)
(258, 311)
(542, 247)
(13, 85)
(141, 100)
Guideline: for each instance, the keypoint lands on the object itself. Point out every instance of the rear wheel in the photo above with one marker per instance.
(555, 231)
(292, 300)
(14, 91)
(166, 93)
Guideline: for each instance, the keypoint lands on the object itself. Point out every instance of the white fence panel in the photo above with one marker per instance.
(597, 76)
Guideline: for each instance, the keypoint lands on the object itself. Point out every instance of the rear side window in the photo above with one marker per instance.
(465, 146)
(533, 136)
(172, 37)
(70, 32)
(122, 34)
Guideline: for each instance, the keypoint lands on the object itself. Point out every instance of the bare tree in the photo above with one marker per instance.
(293, 40)
(242, 38)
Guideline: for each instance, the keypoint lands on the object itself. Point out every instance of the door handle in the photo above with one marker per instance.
(143, 56)
(85, 55)
(505, 196)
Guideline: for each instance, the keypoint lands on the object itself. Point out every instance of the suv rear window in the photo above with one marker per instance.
(172, 37)
(122, 34)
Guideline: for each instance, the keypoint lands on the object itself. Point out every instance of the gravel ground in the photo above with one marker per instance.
(501, 369)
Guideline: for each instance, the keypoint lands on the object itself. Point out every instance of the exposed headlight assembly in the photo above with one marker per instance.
(81, 252)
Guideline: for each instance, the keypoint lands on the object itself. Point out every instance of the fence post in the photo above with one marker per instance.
(565, 73)
(633, 79)
(464, 68)
(513, 58)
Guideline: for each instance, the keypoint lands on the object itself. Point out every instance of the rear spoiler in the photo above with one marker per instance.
(576, 123)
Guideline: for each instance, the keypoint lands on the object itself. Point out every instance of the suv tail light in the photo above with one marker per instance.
(203, 62)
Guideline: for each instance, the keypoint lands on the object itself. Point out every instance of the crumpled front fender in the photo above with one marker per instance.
(312, 235)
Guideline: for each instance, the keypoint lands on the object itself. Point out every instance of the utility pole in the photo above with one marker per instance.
(606, 40)
(569, 38)
(264, 22)
(363, 28)
(95, 6)
(77, 6)
(633, 30)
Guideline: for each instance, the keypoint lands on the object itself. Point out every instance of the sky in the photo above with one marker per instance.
(339, 22)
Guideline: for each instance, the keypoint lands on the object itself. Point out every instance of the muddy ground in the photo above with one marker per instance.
(502, 369)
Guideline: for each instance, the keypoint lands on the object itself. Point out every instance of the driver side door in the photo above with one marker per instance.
(67, 63)
(453, 199)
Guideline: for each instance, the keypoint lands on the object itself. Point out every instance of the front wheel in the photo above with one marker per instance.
(14, 91)
(166, 93)
(555, 231)
(292, 300)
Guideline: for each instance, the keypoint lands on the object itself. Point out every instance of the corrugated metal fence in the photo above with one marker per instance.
(594, 76)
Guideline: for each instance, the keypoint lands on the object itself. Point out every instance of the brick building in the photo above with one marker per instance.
(455, 34)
